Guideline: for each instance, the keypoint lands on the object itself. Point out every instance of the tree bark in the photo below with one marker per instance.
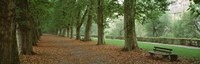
(100, 23)
(26, 27)
(71, 35)
(78, 29)
(8, 43)
(26, 37)
(34, 31)
(40, 31)
(37, 30)
(153, 30)
(129, 25)
(63, 32)
(14, 46)
(78, 33)
(78, 25)
(34, 38)
(89, 23)
(59, 32)
(18, 39)
(68, 32)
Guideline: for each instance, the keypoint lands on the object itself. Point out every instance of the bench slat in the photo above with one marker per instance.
(163, 48)
(163, 51)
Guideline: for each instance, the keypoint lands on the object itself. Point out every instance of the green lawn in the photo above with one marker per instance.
(181, 51)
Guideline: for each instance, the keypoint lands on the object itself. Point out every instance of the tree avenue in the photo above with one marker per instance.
(22, 23)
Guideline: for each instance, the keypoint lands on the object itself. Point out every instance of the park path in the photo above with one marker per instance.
(60, 50)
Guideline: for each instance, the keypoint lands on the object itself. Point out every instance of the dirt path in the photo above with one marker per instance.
(59, 50)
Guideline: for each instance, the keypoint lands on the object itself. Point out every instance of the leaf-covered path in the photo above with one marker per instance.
(60, 50)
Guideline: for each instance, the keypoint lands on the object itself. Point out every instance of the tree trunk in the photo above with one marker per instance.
(18, 40)
(14, 46)
(58, 32)
(37, 30)
(78, 33)
(89, 23)
(100, 23)
(25, 25)
(154, 31)
(27, 48)
(78, 25)
(34, 31)
(68, 32)
(40, 31)
(72, 36)
(129, 25)
(78, 29)
(34, 38)
(87, 30)
(63, 32)
(8, 43)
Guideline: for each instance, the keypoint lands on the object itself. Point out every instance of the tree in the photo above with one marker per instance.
(73, 18)
(100, 22)
(79, 24)
(89, 21)
(129, 25)
(187, 27)
(60, 16)
(36, 11)
(148, 13)
(118, 28)
(195, 8)
(8, 44)
(82, 10)
(157, 26)
(146, 9)
(25, 26)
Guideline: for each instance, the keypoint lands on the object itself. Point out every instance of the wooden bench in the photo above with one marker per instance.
(166, 53)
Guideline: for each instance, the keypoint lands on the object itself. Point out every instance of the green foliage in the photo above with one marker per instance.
(195, 9)
(111, 7)
(146, 9)
(62, 14)
(197, 1)
(185, 28)
(117, 28)
(158, 27)
(148, 13)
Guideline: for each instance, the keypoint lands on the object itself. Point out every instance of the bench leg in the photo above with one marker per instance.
(165, 57)
(173, 57)
(152, 55)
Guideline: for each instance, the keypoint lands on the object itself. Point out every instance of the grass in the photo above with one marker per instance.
(184, 52)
